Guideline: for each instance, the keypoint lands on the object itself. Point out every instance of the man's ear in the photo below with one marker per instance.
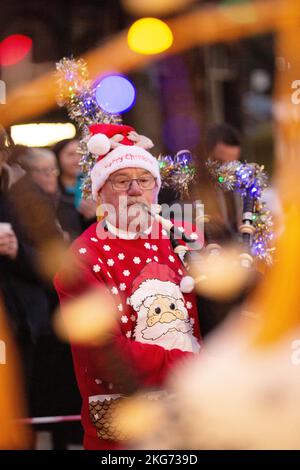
(99, 198)
(99, 211)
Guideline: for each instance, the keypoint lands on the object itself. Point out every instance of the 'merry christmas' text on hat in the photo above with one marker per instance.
(118, 146)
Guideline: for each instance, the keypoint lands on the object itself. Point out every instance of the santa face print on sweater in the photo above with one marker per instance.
(157, 323)
(162, 317)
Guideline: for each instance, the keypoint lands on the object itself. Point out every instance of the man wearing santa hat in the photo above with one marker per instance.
(130, 255)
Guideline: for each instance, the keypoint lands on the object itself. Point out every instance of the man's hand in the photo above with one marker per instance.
(87, 208)
(8, 241)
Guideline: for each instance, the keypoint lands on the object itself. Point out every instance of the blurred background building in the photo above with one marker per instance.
(178, 95)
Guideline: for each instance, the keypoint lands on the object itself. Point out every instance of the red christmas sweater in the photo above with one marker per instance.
(157, 324)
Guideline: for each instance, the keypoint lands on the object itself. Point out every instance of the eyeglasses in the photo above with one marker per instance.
(45, 171)
(123, 184)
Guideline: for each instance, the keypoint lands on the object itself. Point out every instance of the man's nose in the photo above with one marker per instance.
(134, 189)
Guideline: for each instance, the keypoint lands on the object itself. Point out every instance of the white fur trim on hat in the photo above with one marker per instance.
(124, 156)
(99, 144)
(153, 287)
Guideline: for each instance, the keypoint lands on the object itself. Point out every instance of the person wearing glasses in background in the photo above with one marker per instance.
(42, 167)
(27, 224)
(129, 257)
(42, 171)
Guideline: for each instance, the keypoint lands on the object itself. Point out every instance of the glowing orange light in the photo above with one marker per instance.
(155, 7)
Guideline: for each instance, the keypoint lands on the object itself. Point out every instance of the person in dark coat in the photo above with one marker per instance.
(224, 210)
(28, 232)
(55, 391)
(223, 144)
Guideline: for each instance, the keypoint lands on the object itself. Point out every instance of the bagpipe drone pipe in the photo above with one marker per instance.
(212, 311)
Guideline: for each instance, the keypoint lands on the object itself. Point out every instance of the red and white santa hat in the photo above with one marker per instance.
(154, 279)
(118, 146)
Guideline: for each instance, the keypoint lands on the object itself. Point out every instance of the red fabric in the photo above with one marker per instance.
(165, 274)
(112, 129)
(115, 263)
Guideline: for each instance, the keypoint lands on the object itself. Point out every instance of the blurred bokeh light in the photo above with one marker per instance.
(149, 36)
(132, 414)
(87, 319)
(247, 15)
(221, 276)
(115, 94)
(155, 7)
(14, 48)
(13, 435)
(42, 134)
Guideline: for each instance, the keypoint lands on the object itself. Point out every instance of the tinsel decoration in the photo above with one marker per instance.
(177, 172)
(248, 179)
(78, 96)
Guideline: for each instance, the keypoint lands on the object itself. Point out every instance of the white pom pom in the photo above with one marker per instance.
(99, 144)
(187, 284)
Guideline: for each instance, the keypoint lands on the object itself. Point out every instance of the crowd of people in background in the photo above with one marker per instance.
(41, 204)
